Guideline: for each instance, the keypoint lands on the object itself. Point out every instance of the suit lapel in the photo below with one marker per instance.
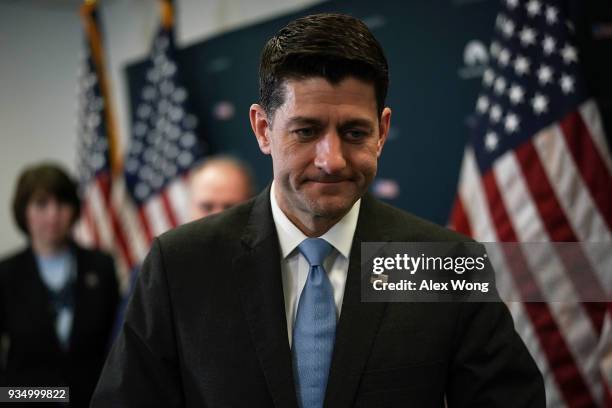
(358, 322)
(258, 276)
(80, 293)
(41, 311)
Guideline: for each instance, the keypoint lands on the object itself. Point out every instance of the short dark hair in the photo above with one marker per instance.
(331, 46)
(43, 178)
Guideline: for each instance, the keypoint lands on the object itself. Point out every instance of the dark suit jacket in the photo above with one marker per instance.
(206, 327)
(35, 357)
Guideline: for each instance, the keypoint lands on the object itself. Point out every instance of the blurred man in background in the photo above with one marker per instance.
(218, 184)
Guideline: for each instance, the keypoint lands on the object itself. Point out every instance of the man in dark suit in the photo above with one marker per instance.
(260, 306)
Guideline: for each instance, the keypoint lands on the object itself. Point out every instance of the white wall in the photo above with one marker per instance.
(40, 44)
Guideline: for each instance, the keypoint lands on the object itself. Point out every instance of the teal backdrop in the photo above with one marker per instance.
(436, 51)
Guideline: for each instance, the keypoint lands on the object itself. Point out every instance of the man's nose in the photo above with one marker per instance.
(330, 155)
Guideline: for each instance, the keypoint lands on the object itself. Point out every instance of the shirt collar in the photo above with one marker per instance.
(340, 236)
(56, 270)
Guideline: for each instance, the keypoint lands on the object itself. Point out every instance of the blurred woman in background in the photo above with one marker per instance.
(57, 300)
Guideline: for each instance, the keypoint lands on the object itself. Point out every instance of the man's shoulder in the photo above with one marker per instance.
(226, 226)
(402, 226)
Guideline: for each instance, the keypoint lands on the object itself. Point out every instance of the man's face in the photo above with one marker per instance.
(217, 187)
(325, 141)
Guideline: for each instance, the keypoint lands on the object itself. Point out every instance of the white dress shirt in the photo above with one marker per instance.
(295, 268)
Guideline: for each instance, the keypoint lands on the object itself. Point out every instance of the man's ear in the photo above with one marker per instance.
(384, 126)
(261, 127)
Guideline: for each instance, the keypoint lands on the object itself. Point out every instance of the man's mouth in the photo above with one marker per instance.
(329, 180)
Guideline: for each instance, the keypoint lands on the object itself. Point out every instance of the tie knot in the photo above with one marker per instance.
(315, 250)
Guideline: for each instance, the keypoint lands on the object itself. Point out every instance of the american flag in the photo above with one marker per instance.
(126, 204)
(164, 144)
(538, 169)
(97, 150)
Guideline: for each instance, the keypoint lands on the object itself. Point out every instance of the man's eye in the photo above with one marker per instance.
(356, 134)
(206, 207)
(304, 133)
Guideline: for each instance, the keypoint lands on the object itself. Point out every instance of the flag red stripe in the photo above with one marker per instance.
(563, 366)
(559, 230)
(459, 219)
(543, 195)
(168, 209)
(91, 224)
(146, 227)
(590, 163)
(103, 182)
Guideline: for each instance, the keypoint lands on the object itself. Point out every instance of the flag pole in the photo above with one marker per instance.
(95, 39)
(166, 13)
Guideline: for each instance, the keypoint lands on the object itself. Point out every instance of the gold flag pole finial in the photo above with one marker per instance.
(167, 14)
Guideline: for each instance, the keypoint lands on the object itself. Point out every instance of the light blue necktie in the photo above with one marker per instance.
(314, 330)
